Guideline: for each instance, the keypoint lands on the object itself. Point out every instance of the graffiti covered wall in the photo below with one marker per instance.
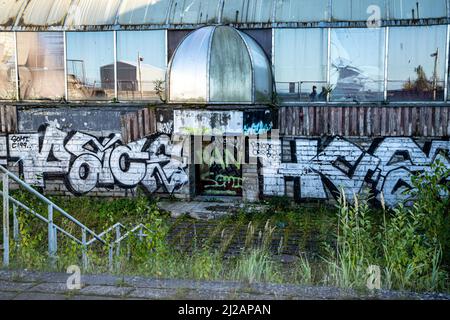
(319, 168)
(233, 153)
(85, 162)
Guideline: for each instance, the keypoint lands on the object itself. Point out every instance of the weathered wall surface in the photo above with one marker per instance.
(84, 152)
(101, 119)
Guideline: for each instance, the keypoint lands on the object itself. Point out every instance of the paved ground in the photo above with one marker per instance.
(24, 285)
(207, 209)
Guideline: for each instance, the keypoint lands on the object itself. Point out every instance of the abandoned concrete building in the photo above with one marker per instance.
(224, 98)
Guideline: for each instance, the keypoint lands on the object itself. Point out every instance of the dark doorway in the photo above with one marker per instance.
(221, 171)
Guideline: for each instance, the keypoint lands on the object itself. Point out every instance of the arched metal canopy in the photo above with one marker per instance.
(219, 64)
(74, 15)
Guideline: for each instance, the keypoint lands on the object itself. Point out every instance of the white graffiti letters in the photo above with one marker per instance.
(87, 162)
(386, 167)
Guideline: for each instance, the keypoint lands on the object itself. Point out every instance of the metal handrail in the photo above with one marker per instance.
(47, 201)
(115, 227)
(53, 229)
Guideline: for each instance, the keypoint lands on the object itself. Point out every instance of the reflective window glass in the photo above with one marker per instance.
(141, 64)
(416, 63)
(357, 64)
(90, 65)
(301, 64)
(7, 66)
(41, 65)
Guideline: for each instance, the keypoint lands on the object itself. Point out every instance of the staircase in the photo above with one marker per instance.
(88, 237)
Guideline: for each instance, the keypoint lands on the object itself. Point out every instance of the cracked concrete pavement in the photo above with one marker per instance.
(29, 285)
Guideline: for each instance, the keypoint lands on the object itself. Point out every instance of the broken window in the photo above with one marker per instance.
(357, 64)
(90, 65)
(416, 63)
(41, 65)
(301, 63)
(141, 64)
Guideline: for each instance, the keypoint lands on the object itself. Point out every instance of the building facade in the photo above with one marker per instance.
(208, 98)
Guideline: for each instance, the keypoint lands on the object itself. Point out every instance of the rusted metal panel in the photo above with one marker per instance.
(8, 119)
(364, 121)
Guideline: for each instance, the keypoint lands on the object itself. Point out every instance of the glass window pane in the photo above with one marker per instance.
(357, 64)
(300, 63)
(90, 65)
(7, 66)
(141, 60)
(301, 10)
(41, 65)
(357, 10)
(417, 9)
(416, 63)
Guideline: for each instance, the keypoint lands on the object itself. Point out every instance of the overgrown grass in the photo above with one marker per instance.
(409, 243)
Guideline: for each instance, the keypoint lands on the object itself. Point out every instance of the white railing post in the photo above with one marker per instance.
(51, 236)
(141, 235)
(51, 232)
(55, 239)
(5, 220)
(84, 257)
(110, 256)
(118, 235)
(15, 224)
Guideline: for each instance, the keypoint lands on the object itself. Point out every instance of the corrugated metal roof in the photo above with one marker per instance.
(194, 11)
(92, 13)
(109, 14)
(44, 13)
(301, 10)
(9, 10)
(136, 12)
(247, 11)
